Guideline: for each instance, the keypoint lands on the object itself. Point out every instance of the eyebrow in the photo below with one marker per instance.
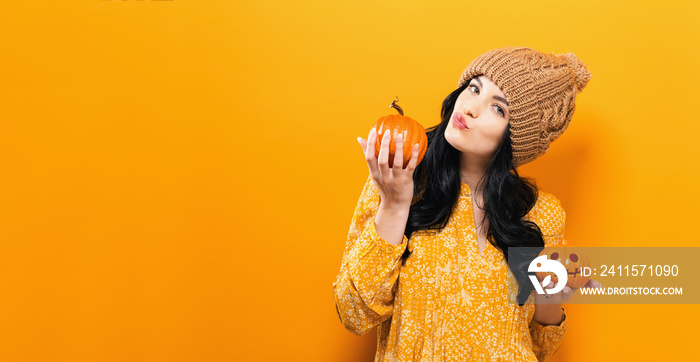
(495, 97)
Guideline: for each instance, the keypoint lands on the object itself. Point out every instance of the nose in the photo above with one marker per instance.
(469, 110)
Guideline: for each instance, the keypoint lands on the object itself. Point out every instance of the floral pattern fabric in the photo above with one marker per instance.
(447, 302)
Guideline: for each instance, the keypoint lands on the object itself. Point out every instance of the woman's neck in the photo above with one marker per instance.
(471, 170)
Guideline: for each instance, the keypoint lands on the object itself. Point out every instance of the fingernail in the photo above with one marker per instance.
(358, 140)
(399, 137)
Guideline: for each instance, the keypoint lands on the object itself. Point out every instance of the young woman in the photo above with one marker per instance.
(426, 258)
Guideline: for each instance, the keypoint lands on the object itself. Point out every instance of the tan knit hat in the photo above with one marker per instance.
(541, 91)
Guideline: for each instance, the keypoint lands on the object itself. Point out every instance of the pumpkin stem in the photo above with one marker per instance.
(394, 105)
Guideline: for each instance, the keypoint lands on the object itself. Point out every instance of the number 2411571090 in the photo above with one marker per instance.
(634, 270)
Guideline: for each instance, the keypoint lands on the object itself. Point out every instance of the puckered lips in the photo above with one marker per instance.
(459, 121)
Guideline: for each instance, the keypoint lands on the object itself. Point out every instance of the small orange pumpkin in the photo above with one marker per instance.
(412, 132)
(572, 260)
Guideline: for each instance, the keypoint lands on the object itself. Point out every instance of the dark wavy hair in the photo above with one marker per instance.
(508, 197)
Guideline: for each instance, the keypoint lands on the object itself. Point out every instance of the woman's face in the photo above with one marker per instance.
(483, 108)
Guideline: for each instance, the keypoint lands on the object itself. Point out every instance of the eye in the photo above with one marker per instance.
(500, 110)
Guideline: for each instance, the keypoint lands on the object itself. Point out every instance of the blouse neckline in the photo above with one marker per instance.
(465, 189)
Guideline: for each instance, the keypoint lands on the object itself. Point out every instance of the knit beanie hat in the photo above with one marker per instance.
(540, 88)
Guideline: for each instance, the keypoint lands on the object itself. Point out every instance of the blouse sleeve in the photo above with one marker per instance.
(547, 339)
(364, 288)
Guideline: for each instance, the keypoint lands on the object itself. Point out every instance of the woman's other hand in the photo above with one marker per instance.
(564, 295)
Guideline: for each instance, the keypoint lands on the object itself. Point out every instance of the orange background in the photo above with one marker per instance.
(178, 177)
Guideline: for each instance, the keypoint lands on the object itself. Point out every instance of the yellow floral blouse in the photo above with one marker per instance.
(448, 302)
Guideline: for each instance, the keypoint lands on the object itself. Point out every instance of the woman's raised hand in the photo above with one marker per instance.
(394, 182)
